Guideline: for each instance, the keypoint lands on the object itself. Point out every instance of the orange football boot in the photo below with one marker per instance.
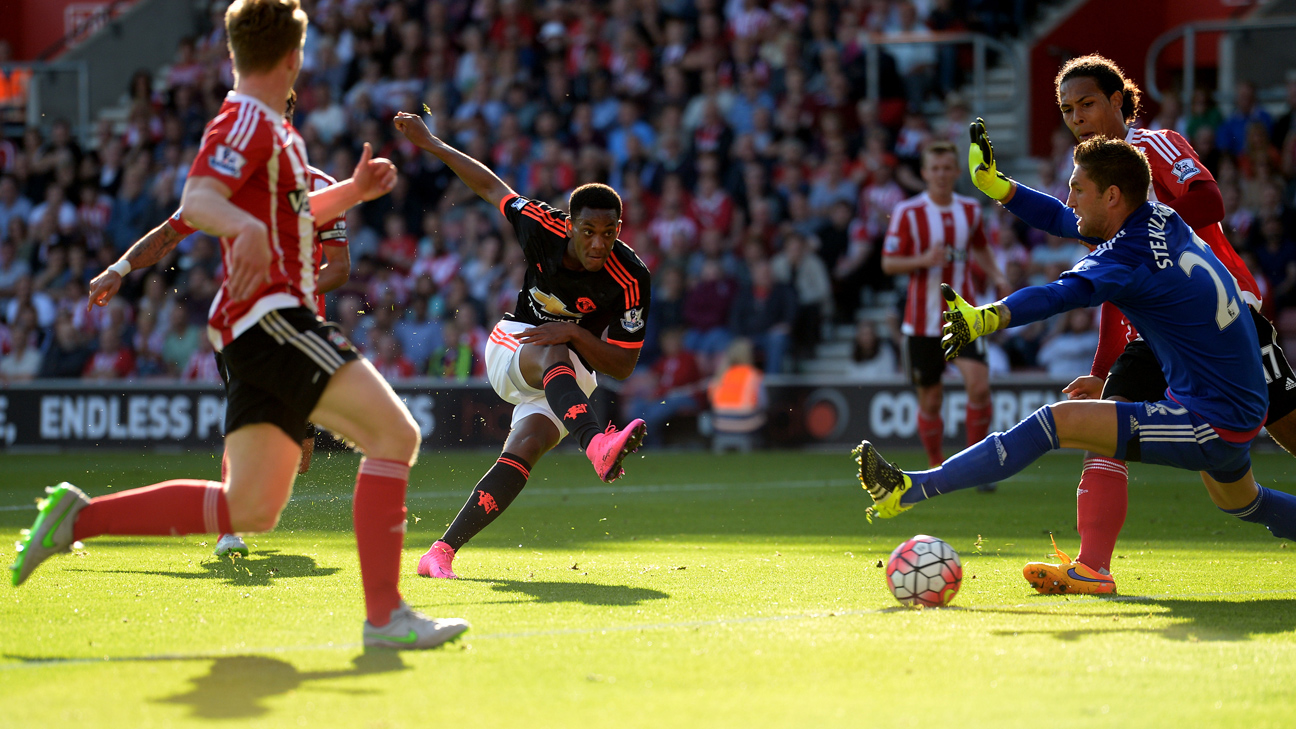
(1068, 577)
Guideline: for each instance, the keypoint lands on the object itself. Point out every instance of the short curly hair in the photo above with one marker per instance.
(1109, 77)
(595, 196)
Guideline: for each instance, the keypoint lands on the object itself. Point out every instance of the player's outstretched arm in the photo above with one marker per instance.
(373, 178)
(145, 252)
(602, 357)
(474, 174)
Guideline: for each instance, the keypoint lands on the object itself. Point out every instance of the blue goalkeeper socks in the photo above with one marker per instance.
(994, 459)
(1275, 509)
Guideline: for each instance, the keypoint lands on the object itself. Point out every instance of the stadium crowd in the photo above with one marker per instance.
(757, 180)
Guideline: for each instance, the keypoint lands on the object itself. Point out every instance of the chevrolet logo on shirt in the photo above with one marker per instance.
(299, 200)
(550, 304)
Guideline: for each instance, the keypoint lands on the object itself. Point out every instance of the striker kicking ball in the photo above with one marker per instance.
(924, 571)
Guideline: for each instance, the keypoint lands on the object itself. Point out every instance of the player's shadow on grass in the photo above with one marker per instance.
(260, 568)
(1192, 620)
(586, 593)
(237, 687)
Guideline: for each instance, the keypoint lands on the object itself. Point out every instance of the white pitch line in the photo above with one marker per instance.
(42, 663)
(662, 488)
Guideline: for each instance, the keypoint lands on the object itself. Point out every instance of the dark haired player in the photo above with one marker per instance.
(1096, 99)
(581, 283)
(332, 268)
(1188, 307)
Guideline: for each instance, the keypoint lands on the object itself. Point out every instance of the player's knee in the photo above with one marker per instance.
(402, 440)
(256, 515)
(978, 394)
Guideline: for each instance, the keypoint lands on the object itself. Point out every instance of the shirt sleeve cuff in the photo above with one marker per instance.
(626, 345)
(505, 201)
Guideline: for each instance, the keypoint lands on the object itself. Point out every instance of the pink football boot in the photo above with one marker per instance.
(437, 561)
(610, 447)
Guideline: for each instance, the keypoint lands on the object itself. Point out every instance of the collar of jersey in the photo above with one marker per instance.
(237, 97)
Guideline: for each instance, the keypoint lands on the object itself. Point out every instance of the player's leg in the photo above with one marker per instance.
(926, 365)
(1249, 501)
(532, 437)
(550, 368)
(979, 410)
(1082, 424)
(262, 463)
(360, 406)
(1281, 420)
(1102, 497)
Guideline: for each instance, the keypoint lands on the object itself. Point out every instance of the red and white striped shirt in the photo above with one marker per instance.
(918, 224)
(255, 152)
(1174, 166)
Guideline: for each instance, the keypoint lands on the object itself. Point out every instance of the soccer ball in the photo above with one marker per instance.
(924, 571)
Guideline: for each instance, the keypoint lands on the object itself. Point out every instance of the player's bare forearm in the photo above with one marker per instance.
(372, 178)
(605, 358)
(335, 272)
(153, 247)
(207, 207)
(1005, 316)
(477, 176)
(986, 260)
(332, 201)
(146, 252)
(898, 265)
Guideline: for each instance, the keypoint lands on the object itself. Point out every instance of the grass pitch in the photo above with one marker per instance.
(736, 591)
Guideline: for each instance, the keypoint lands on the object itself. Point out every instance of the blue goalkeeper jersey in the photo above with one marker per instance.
(1183, 301)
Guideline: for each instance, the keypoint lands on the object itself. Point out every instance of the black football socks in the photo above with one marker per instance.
(494, 492)
(569, 403)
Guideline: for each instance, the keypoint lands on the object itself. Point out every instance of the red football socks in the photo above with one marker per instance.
(183, 506)
(978, 422)
(931, 431)
(1101, 503)
(379, 512)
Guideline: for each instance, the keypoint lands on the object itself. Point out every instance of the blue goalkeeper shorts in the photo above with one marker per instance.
(1165, 433)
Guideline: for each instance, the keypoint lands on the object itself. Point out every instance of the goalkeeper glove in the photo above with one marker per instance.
(981, 163)
(964, 322)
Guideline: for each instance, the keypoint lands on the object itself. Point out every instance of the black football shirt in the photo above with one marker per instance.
(613, 300)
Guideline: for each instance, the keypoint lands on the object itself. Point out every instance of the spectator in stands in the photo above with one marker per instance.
(763, 312)
(113, 360)
(675, 389)
(872, 357)
(389, 360)
(182, 339)
(26, 296)
(808, 276)
(12, 205)
(419, 335)
(147, 343)
(1069, 353)
(23, 361)
(1276, 255)
(12, 268)
(706, 312)
(202, 365)
(67, 352)
(1231, 136)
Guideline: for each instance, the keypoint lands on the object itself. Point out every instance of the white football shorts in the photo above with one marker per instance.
(503, 369)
